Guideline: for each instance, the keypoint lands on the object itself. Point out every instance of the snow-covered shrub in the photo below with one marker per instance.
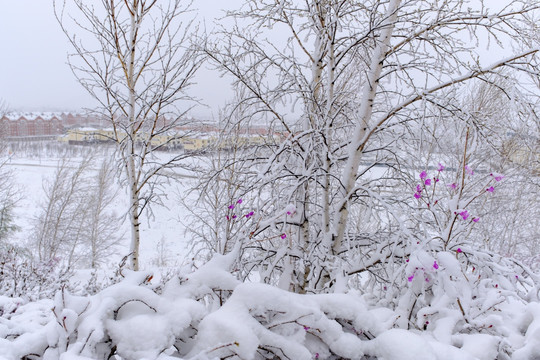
(209, 314)
(25, 277)
(132, 319)
(24, 327)
(264, 322)
(447, 273)
(127, 319)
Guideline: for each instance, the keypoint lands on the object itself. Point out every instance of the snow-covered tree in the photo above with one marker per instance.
(102, 225)
(138, 69)
(222, 213)
(9, 194)
(353, 73)
(60, 224)
(75, 224)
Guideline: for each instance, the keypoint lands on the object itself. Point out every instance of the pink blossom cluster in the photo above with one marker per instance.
(426, 181)
(463, 214)
(411, 277)
(234, 216)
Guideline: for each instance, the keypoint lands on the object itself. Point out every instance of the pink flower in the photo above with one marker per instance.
(469, 171)
(306, 328)
(490, 189)
(435, 265)
(464, 214)
(234, 216)
(239, 201)
(228, 218)
(417, 195)
(231, 207)
(418, 188)
(497, 177)
(410, 278)
(476, 220)
(428, 182)
(283, 236)
(459, 250)
(441, 167)
(290, 209)
(249, 215)
(423, 175)
(453, 186)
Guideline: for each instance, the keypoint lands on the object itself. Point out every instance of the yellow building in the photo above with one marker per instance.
(87, 135)
(198, 143)
(193, 143)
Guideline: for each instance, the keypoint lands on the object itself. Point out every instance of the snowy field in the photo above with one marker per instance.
(163, 237)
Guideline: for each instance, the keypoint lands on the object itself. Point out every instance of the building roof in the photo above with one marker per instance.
(14, 116)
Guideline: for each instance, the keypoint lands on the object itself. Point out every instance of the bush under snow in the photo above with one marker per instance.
(209, 314)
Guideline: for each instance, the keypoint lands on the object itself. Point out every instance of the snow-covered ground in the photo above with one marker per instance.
(187, 320)
(163, 236)
(210, 314)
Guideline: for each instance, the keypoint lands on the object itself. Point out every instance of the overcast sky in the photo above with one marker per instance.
(33, 54)
(34, 74)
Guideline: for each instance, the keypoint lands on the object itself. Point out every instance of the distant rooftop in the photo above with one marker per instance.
(15, 115)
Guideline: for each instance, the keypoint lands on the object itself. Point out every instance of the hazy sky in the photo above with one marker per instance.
(33, 54)
(34, 74)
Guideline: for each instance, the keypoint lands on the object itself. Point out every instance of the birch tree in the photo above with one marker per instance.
(60, 227)
(75, 224)
(101, 224)
(354, 73)
(138, 66)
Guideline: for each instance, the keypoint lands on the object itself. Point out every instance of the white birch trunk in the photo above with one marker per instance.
(328, 130)
(362, 128)
(130, 166)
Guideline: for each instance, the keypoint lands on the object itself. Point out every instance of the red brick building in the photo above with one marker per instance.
(44, 124)
(30, 124)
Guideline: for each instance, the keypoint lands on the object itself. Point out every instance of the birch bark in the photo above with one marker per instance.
(364, 123)
(130, 156)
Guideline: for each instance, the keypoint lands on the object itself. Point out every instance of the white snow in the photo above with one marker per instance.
(210, 314)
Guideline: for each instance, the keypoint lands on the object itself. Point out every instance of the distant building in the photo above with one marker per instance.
(75, 120)
(30, 125)
(522, 149)
(39, 124)
(81, 129)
